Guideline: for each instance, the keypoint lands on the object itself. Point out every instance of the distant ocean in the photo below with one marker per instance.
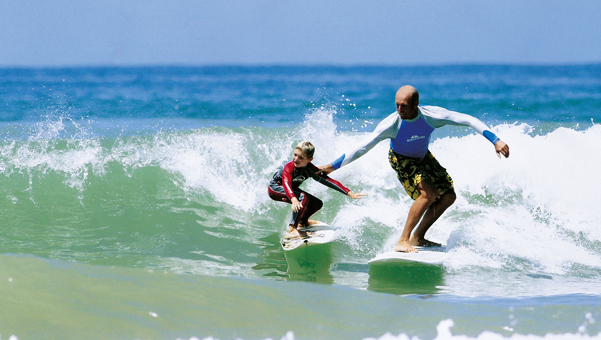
(134, 205)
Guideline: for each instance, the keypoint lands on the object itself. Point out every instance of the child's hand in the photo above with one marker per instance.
(296, 205)
(356, 196)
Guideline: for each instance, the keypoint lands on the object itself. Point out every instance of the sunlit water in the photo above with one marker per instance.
(134, 205)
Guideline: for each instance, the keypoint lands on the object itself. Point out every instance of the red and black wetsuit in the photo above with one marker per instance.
(285, 184)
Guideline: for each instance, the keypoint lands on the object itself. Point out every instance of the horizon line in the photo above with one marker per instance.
(300, 65)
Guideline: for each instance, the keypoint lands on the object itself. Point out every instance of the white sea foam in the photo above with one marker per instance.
(444, 333)
(544, 194)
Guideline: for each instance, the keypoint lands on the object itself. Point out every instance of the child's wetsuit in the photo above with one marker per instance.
(285, 184)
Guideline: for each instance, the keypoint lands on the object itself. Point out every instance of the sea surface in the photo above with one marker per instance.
(133, 205)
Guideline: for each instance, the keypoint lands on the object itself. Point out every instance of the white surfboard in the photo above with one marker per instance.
(319, 233)
(425, 255)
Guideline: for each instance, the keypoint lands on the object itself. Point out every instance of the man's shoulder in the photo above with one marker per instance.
(388, 126)
(436, 113)
(391, 119)
(428, 110)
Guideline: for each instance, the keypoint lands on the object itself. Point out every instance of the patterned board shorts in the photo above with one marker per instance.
(411, 171)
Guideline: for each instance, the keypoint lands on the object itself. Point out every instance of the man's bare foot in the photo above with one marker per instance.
(311, 222)
(423, 242)
(404, 247)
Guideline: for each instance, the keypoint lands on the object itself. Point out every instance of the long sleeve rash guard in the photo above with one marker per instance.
(288, 179)
(411, 138)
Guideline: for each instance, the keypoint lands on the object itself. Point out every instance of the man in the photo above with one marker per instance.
(423, 178)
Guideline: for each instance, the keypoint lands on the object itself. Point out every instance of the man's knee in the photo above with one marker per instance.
(448, 198)
(428, 193)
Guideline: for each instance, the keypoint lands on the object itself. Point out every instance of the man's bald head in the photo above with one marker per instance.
(407, 99)
(410, 92)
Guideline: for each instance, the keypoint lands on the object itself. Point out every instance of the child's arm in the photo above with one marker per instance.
(334, 184)
(287, 185)
(287, 180)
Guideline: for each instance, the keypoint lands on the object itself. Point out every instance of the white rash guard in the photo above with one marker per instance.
(411, 138)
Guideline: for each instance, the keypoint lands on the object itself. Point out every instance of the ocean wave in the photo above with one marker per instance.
(139, 196)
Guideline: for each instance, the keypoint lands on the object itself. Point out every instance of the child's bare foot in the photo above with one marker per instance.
(404, 247)
(423, 242)
(294, 233)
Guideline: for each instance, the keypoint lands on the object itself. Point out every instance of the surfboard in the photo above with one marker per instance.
(424, 255)
(319, 233)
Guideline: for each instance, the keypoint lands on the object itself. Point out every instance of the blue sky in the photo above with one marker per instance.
(184, 32)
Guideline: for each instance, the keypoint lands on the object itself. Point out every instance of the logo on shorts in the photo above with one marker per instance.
(299, 179)
(414, 138)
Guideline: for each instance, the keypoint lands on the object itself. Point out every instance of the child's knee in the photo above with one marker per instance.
(319, 204)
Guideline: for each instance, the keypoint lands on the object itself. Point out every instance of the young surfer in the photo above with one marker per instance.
(284, 187)
(423, 178)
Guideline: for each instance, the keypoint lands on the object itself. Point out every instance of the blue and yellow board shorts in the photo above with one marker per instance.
(411, 171)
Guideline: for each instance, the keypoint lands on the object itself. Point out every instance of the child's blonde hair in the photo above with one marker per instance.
(307, 148)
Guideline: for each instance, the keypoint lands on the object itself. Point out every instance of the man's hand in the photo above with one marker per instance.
(326, 169)
(356, 196)
(502, 149)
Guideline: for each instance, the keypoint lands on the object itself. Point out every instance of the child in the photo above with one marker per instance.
(284, 186)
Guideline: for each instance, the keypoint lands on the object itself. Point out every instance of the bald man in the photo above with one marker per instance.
(424, 179)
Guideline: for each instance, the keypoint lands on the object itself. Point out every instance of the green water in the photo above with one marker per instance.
(53, 299)
(133, 204)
